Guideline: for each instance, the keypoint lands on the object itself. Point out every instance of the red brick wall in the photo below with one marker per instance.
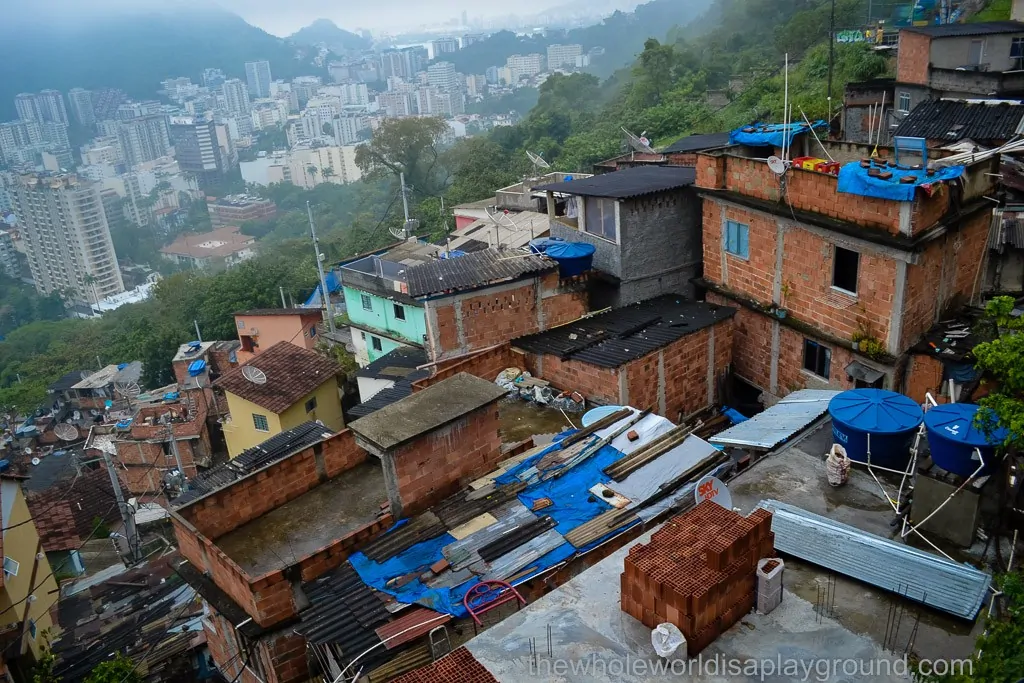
(282, 656)
(914, 58)
(752, 343)
(685, 370)
(806, 271)
(485, 365)
(497, 315)
(441, 462)
(923, 375)
(806, 191)
(593, 383)
(689, 159)
(943, 278)
(146, 463)
(247, 499)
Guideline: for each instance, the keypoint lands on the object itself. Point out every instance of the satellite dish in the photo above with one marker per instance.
(66, 432)
(127, 390)
(254, 374)
(776, 165)
(538, 162)
(639, 144)
(713, 489)
(36, 461)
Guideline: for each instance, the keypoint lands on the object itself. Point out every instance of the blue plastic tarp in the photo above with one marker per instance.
(333, 285)
(771, 134)
(855, 180)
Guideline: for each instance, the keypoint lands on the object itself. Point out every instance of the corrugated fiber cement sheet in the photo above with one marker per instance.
(920, 576)
(779, 423)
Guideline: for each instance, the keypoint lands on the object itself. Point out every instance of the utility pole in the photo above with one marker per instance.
(130, 532)
(405, 205)
(199, 335)
(831, 56)
(284, 304)
(324, 294)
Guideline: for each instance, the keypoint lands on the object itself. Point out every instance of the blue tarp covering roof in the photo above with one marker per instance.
(333, 285)
(771, 134)
(855, 180)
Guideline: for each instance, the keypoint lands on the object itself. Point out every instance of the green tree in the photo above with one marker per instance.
(117, 670)
(1002, 361)
(327, 129)
(411, 146)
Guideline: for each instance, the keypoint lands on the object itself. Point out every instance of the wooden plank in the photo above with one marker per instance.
(476, 524)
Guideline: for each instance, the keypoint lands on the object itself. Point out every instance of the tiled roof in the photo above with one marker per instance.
(473, 270)
(413, 623)
(616, 337)
(985, 28)
(292, 372)
(65, 514)
(696, 143)
(273, 449)
(955, 120)
(426, 410)
(628, 183)
(382, 399)
(458, 667)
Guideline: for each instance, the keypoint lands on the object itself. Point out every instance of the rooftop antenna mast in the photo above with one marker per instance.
(324, 294)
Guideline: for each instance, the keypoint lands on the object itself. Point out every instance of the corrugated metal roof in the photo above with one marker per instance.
(522, 557)
(382, 399)
(649, 479)
(474, 270)
(984, 28)
(697, 143)
(465, 552)
(955, 120)
(343, 611)
(627, 183)
(273, 449)
(465, 505)
(420, 528)
(783, 420)
(920, 576)
(616, 337)
(605, 523)
(414, 622)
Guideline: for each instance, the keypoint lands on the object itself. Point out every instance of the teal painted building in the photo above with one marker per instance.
(382, 316)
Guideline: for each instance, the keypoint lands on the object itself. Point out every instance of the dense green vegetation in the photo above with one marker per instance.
(134, 51)
(519, 101)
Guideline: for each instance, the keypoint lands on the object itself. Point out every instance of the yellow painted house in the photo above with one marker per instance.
(277, 390)
(28, 589)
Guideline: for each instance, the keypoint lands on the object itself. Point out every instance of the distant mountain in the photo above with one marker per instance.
(134, 52)
(325, 32)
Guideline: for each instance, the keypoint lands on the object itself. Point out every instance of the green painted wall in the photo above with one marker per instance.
(381, 316)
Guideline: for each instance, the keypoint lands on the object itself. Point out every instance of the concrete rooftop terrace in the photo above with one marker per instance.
(301, 526)
(587, 624)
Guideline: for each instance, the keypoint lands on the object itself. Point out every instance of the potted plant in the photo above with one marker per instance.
(872, 348)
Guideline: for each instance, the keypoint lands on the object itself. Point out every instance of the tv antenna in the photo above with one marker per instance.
(66, 432)
(776, 165)
(538, 162)
(254, 374)
(639, 143)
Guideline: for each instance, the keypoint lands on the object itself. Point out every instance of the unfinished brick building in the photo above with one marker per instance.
(698, 572)
(834, 288)
(488, 297)
(666, 353)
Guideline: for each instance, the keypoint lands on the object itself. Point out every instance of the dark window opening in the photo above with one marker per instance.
(311, 405)
(817, 359)
(375, 341)
(399, 312)
(845, 264)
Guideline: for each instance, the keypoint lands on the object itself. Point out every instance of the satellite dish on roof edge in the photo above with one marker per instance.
(66, 432)
(254, 374)
(538, 162)
(776, 165)
(639, 143)
(713, 489)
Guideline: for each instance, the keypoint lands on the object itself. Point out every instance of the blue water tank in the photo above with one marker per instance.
(541, 244)
(889, 418)
(574, 258)
(953, 436)
(453, 253)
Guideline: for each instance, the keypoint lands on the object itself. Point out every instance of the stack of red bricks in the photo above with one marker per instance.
(698, 572)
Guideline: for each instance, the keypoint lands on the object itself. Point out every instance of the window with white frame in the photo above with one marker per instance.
(904, 105)
(366, 301)
(11, 567)
(599, 217)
